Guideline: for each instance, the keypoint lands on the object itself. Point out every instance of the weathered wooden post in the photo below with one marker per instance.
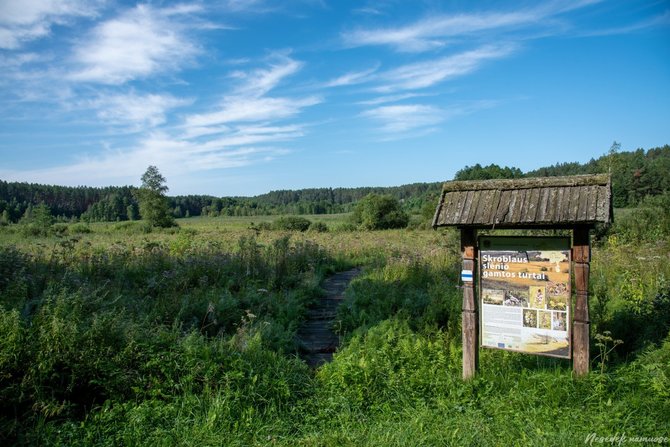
(469, 315)
(581, 257)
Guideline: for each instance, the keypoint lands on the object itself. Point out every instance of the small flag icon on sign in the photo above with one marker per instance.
(466, 275)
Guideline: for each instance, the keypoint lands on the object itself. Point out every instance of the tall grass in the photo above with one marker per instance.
(187, 337)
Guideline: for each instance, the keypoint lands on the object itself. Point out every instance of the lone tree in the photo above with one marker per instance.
(379, 212)
(153, 202)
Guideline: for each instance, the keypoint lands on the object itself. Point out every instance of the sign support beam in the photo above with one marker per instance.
(581, 256)
(469, 314)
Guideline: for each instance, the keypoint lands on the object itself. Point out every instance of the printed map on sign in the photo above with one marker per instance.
(525, 294)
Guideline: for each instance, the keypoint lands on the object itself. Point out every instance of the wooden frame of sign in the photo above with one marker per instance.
(576, 203)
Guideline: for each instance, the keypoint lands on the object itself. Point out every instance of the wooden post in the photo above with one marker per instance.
(470, 318)
(581, 257)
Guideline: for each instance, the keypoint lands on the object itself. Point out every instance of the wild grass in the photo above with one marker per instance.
(114, 335)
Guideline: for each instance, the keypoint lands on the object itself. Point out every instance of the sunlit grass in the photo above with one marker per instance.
(186, 337)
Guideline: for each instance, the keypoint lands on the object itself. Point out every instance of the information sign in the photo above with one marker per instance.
(525, 294)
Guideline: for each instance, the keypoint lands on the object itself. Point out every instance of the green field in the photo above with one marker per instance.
(114, 335)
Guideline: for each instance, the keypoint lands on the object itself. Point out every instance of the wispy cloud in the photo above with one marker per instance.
(249, 135)
(427, 73)
(133, 110)
(437, 31)
(249, 102)
(174, 157)
(658, 21)
(26, 20)
(352, 78)
(246, 126)
(246, 109)
(391, 98)
(260, 81)
(14, 61)
(139, 43)
(430, 33)
(400, 121)
(396, 120)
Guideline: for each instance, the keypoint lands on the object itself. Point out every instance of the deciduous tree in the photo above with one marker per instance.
(153, 202)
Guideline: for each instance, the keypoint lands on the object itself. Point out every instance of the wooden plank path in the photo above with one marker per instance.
(317, 339)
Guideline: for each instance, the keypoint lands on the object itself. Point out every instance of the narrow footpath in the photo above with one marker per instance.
(316, 335)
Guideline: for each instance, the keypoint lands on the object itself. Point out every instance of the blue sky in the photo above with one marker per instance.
(243, 97)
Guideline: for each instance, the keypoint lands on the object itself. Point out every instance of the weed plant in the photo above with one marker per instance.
(186, 336)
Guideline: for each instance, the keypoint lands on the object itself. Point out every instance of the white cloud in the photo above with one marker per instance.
(400, 120)
(246, 127)
(14, 61)
(427, 73)
(249, 102)
(260, 81)
(26, 20)
(175, 158)
(391, 98)
(403, 118)
(246, 109)
(248, 135)
(135, 110)
(139, 43)
(657, 21)
(351, 78)
(429, 33)
(438, 30)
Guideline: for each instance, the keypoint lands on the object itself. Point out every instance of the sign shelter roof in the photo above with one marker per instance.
(542, 202)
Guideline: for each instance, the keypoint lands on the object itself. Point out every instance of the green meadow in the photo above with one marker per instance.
(123, 334)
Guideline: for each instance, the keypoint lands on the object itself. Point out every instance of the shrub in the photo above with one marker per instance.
(59, 229)
(641, 326)
(650, 221)
(379, 212)
(319, 227)
(292, 223)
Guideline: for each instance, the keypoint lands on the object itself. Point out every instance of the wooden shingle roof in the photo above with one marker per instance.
(528, 202)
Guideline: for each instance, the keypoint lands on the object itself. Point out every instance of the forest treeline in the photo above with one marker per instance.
(635, 175)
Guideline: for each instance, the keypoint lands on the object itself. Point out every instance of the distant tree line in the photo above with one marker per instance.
(67, 203)
(635, 175)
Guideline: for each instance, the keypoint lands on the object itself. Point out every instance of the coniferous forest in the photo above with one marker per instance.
(635, 175)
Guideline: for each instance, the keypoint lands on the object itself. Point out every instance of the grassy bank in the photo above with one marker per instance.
(112, 335)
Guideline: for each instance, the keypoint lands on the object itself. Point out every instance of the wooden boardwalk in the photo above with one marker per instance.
(317, 339)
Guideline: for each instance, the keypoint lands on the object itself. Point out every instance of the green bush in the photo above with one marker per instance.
(640, 326)
(649, 221)
(379, 212)
(60, 229)
(318, 227)
(291, 223)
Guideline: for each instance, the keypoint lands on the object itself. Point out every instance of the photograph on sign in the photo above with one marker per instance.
(525, 294)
